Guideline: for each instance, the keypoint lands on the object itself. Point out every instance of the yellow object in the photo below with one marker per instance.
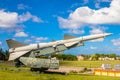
(102, 72)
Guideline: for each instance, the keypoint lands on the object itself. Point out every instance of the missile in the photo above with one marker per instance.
(18, 49)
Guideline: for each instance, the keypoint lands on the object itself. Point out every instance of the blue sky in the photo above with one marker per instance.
(34, 21)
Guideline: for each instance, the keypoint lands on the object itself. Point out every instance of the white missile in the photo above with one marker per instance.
(18, 49)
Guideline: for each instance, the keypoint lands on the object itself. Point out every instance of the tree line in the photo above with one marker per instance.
(68, 57)
(96, 56)
(4, 55)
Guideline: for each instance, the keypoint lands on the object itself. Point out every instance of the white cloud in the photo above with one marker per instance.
(69, 11)
(27, 16)
(97, 30)
(36, 19)
(116, 42)
(76, 31)
(80, 3)
(21, 34)
(75, 4)
(24, 17)
(98, 40)
(35, 39)
(22, 6)
(38, 39)
(84, 16)
(97, 5)
(104, 0)
(8, 19)
(28, 40)
(0, 43)
(85, 1)
(93, 48)
(12, 19)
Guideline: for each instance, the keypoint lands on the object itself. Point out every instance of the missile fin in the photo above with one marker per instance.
(14, 44)
(67, 36)
(16, 55)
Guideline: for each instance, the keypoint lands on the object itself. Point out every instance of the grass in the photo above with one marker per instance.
(88, 64)
(13, 73)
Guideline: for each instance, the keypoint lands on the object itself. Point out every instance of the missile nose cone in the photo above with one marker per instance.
(108, 34)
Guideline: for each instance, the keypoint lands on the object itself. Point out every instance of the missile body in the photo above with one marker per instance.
(53, 44)
(19, 51)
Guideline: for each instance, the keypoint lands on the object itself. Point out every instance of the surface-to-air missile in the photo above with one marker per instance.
(26, 55)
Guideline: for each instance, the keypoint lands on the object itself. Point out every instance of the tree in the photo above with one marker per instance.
(112, 55)
(95, 56)
(69, 57)
(102, 55)
(61, 56)
(2, 55)
(6, 55)
(86, 57)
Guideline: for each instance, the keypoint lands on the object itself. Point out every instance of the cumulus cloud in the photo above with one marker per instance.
(27, 16)
(85, 16)
(8, 19)
(116, 42)
(21, 34)
(13, 19)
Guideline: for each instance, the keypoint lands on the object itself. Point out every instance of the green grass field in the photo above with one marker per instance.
(88, 64)
(13, 73)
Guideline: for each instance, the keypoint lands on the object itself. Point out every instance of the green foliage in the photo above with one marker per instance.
(71, 57)
(86, 57)
(68, 57)
(102, 55)
(112, 55)
(95, 56)
(4, 55)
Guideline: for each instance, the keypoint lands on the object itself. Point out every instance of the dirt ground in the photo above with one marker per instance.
(69, 69)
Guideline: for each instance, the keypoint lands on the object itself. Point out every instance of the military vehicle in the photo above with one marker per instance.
(27, 55)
